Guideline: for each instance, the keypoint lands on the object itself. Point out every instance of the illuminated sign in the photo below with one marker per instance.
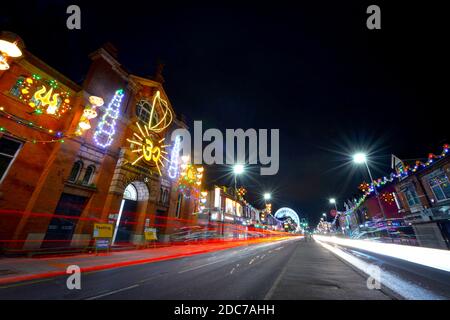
(151, 150)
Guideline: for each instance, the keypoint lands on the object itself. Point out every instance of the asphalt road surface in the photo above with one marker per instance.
(293, 269)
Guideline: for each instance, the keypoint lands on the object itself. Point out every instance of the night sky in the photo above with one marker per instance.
(315, 72)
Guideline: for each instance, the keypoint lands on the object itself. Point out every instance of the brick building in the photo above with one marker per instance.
(425, 201)
(62, 169)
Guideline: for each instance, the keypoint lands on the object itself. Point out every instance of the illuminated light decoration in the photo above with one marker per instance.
(151, 150)
(96, 101)
(3, 62)
(84, 123)
(162, 109)
(47, 98)
(175, 159)
(106, 129)
(190, 179)
(378, 183)
(364, 187)
(8, 49)
(9, 116)
(241, 193)
(89, 113)
(42, 95)
(387, 197)
(203, 200)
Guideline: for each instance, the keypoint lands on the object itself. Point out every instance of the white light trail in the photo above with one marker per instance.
(433, 258)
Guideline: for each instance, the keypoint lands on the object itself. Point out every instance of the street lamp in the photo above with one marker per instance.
(237, 169)
(333, 201)
(267, 196)
(360, 158)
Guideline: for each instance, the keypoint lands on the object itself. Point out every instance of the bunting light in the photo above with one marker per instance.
(104, 135)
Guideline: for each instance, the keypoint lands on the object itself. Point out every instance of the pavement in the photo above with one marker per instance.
(284, 269)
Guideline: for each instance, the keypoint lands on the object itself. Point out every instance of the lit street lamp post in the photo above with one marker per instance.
(333, 201)
(360, 158)
(237, 169)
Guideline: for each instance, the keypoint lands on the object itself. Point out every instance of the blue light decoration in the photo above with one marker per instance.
(106, 129)
(174, 159)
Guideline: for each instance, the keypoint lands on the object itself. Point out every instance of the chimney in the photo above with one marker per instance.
(158, 77)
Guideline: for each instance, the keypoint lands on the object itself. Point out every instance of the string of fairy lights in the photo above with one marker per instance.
(403, 172)
(57, 136)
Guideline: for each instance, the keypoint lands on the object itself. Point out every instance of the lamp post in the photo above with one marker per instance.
(333, 201)
(360, 158)
(237, 169)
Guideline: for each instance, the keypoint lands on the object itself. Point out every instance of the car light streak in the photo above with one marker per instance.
(433, 258)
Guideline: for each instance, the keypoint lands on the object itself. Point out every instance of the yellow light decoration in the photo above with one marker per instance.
(84, 123)
(3, 63)
(162, 109)
(151, 150)
(47, 98)
(96, 101)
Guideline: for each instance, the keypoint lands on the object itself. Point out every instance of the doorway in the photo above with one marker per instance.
(127, 216)
(60, 230)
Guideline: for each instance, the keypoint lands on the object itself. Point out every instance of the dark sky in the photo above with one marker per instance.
(315, 72)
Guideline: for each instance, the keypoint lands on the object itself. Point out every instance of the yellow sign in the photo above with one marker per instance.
(150, 234)
(103, 230)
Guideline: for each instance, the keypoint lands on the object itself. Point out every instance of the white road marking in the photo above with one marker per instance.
(201, 266)
(113, 292)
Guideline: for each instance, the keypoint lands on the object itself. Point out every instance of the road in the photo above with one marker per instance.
(292, 269)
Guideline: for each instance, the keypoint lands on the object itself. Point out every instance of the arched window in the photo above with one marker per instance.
(76, 169)
(88, 174)
(130, 193)
(143, 110)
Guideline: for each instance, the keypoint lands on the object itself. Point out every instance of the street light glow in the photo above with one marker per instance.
(332, 200)
(267, 196)
(324, 214)
(238, 169)
(359, 158)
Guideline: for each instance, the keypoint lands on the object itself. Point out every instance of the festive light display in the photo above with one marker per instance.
(387, 197)
(88, 114)
(42, 95)
(151, 150)
(106, 128)
(174, 164)
(203, 200)
(8, 49)
(164, 118)
(190, 179)
(378, 183)
(57, 136)
(241, 193)
(364, 187)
